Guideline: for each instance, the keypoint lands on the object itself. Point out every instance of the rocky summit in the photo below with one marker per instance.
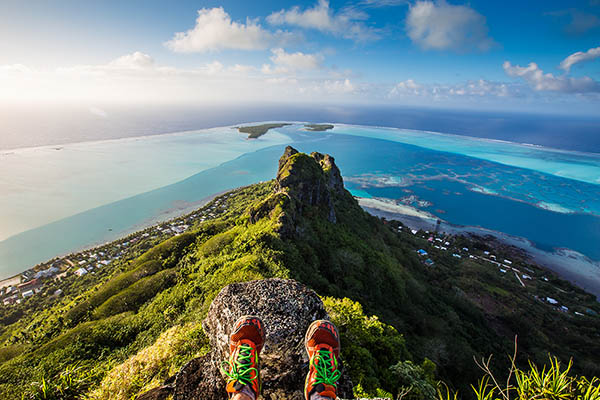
(287, 308)
(304, 185)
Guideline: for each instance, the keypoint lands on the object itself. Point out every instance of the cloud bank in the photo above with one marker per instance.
(472, 89)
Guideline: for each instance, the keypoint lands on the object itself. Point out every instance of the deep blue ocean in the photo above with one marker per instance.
(30, 126)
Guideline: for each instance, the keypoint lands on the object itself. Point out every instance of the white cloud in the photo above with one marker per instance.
(541, 81)
(347, 24)
(296, 60)
(442, 26)
(580, 56)
(15, 69)
(215, 30)
(339, 86)
(408, 86)
(134, 60)
(269, 69)
(475, 89)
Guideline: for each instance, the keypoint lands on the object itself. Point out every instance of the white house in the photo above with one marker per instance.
(551, 300)
(81, 272)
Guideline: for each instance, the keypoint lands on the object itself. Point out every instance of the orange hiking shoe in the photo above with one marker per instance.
(245, 343)
(322, 343)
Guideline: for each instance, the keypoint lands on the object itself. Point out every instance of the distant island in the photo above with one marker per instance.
(318, 127)
(257, 131)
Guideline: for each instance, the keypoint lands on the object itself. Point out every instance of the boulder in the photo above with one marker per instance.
(287, 308)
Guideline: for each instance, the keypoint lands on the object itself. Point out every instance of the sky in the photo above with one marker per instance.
(481, 54)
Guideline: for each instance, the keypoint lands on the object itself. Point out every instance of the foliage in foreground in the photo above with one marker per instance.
(552, 382)
(67, 385)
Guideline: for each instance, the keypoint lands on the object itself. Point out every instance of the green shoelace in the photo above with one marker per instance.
(326, 372)
(239, 369)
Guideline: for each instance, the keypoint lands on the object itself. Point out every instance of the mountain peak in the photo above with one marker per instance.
(311, 180)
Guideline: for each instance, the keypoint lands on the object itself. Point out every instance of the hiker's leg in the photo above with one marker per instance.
(322, 343)
(245, 394)
(242, 369)
(317, 396)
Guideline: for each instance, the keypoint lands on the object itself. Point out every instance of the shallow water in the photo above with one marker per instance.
(44, 184)
(526, 195)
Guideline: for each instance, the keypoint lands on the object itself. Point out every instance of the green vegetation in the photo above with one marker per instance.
(69, 384)
(552, 382)
(257, 131)
(403, 325)
(318, 127)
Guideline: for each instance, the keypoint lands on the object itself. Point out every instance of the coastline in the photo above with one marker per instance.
(585, 274)
(168, 215)
(557, 260)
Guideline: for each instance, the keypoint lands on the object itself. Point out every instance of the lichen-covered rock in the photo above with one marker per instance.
(287, 308)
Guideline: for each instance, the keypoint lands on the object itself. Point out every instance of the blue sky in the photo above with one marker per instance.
(441, 53)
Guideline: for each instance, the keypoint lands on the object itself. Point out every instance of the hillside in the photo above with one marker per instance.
(131, 325)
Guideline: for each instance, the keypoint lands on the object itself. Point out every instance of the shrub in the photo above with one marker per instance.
(414, 380)
(369, 347)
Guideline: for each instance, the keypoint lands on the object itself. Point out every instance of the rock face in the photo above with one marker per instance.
(312, 181)
(287, 308)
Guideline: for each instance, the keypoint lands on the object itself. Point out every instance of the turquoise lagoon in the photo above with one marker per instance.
(549, 197)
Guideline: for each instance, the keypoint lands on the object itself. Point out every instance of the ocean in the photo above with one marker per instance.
(62, 197)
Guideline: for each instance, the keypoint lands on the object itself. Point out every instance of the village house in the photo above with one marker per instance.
(32, 284)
